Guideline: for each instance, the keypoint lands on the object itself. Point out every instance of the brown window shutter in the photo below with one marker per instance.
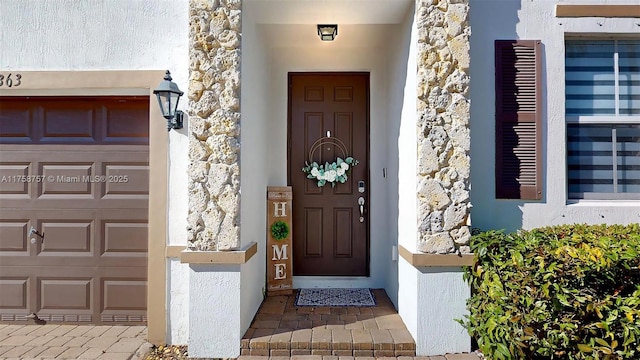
(518, 119)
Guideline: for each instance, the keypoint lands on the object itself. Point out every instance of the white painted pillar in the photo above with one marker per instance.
(430, 299)
(214, 311)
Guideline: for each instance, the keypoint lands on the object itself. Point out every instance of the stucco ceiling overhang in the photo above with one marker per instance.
(361, 23)
(329, 11)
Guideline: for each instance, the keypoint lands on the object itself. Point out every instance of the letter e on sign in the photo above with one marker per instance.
(280, 271)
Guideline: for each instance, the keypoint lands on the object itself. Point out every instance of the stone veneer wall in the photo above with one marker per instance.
(214, 124)
(443, 126)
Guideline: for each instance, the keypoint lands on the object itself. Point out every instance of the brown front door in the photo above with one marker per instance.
(330, 235)
(75, 170)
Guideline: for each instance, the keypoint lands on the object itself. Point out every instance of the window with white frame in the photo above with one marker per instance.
(602, 110)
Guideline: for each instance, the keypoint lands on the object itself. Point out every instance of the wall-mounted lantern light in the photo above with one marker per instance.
(327, 32)
(168, 96)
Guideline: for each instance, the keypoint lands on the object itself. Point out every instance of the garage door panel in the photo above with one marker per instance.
(14, 294)
(124, 237)
(80, 202)
(66, 179)
(87, 161)
(16, 122)
(77, 237)
(46, 260)
(118, 126)
(72, 153)
(19, 296)
(13, 237)
(64, 294)
(67, 124)
(126, 179)
(78, 262)
(124, 294)
(67, 238)
(13, 178)
(124, 284)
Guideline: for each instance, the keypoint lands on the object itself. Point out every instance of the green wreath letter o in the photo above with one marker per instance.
(279, 230)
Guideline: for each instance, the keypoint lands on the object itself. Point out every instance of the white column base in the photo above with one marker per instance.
(214, 311)
(430, 299)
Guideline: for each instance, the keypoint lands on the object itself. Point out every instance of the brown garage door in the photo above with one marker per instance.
(75, 170)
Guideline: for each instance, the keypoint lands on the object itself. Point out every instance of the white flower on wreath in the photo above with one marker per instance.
(335, 172)
(331, 175)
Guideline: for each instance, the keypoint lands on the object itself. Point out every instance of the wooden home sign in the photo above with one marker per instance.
(279, 244)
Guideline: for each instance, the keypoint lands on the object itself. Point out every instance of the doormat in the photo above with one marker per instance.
(335, 297)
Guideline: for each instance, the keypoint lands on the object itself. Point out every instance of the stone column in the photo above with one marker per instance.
(443, 126)
(214, 124)
(215, 288)
(432, 295)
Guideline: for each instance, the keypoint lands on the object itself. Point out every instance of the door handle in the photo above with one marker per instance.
(33, 231)
(361, 203)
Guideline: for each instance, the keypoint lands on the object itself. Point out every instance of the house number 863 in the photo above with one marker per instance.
(10, 80)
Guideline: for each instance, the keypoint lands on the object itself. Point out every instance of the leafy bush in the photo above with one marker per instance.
(563, 292)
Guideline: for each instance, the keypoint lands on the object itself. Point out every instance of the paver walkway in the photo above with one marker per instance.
(72, 342)
(470, 356)
(282, 330)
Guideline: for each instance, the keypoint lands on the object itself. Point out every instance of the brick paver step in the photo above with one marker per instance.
(281, 329)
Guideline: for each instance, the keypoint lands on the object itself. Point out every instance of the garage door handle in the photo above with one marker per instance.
(34, 231)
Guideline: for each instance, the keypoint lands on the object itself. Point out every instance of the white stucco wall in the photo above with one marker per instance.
(214, 330)
(534, 20)
(442, 295)
(255, 160)
(67, 35)
(177, 302)
(407, 148)
(431, 299)
(401, 171)
(407, 174)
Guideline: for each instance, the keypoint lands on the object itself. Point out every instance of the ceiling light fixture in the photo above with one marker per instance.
(327, 32)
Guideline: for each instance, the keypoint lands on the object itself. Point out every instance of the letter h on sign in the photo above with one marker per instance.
(279, 209)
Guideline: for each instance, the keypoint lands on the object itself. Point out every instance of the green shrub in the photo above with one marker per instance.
(563, 292)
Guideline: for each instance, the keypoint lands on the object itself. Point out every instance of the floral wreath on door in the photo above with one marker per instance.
(329, 172)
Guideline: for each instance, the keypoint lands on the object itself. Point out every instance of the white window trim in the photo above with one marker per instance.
(604, 120)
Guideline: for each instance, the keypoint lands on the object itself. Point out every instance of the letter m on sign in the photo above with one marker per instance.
(280, 252)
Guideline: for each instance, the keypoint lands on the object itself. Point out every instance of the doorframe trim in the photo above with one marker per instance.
(368, 127)
(136, 82)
